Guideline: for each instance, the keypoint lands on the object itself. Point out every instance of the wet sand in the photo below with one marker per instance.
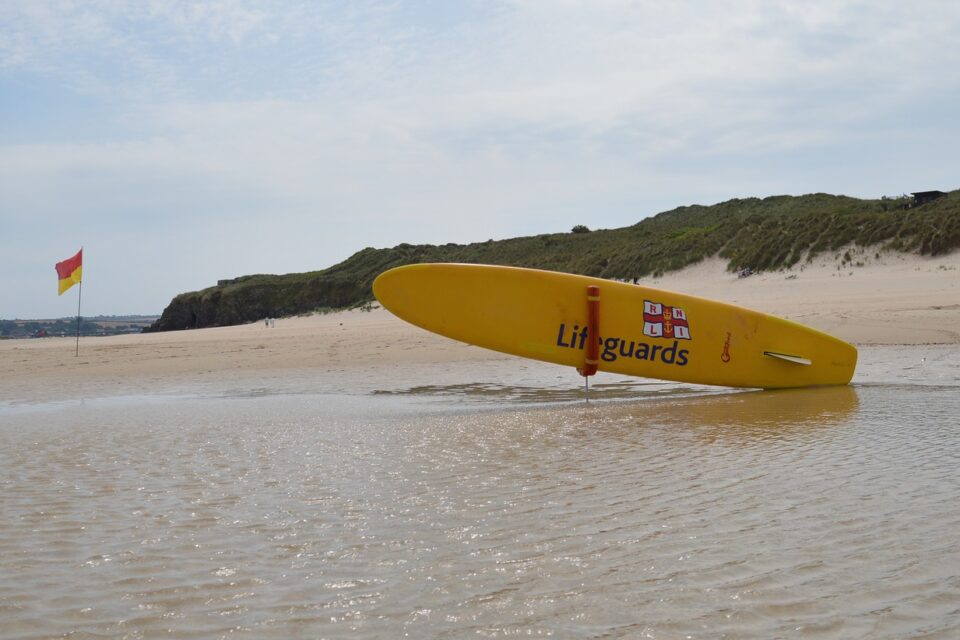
(485, 499)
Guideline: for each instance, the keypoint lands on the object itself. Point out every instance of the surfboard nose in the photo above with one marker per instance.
(381, 286)
(388, 287)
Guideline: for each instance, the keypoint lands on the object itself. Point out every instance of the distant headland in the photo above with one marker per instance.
(778, 232)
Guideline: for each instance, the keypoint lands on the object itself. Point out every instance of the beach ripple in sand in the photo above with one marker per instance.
(487, 510)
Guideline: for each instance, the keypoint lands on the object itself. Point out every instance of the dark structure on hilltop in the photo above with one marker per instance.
(921, 198)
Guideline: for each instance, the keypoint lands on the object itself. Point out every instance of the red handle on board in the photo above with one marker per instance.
(592, 356)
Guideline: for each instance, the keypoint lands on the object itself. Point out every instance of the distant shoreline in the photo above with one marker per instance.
(89, 326)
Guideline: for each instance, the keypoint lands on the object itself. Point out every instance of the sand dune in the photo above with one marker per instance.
(893, 299)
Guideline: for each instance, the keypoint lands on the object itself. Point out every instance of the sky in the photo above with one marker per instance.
(180, 143)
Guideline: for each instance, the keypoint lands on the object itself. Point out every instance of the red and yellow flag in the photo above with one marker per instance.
(70, 271)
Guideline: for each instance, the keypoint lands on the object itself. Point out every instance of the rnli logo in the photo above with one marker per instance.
(662, 321)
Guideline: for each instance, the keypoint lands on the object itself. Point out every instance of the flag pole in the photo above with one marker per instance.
(79, 296)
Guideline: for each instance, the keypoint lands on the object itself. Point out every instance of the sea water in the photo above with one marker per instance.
(489, 500)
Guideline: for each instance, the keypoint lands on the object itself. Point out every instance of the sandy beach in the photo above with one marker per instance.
(350, 475)
(893, 299)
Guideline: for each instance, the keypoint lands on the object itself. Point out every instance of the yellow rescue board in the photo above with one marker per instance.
(641, 331)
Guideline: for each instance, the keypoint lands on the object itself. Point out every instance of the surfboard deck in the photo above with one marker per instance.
(641, 331)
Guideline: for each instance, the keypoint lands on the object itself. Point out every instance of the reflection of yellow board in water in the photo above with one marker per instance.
(641, 331)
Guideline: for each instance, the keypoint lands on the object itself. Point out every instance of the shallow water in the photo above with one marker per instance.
(489, 501)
